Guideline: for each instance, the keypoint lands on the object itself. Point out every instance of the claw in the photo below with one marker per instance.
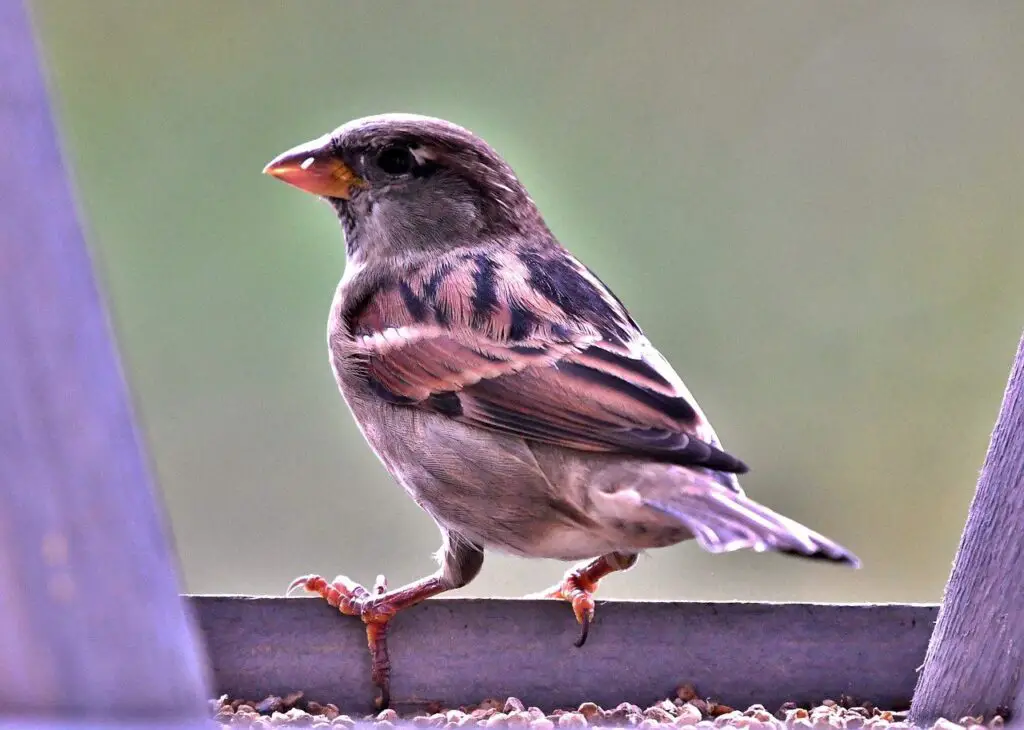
(578, 590)
(584, 631)
(582, 596)
(302, 581)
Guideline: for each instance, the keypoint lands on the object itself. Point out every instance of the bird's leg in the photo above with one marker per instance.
(460, 563)
(580, 582)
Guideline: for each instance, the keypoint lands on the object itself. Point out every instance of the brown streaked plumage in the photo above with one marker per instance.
(519, 362)
(502, 383)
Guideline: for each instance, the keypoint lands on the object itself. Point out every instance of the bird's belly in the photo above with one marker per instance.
(570, 543)
(487, 487)
(502, 494)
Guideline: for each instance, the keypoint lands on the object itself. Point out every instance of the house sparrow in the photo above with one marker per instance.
(502, 384)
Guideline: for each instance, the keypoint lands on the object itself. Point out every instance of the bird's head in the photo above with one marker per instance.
(403, 181)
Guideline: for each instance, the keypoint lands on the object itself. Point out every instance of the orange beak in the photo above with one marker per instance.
(315, 168)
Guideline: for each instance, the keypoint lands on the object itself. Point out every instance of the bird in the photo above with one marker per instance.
(502, 383)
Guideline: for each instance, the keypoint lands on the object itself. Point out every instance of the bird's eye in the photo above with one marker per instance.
(395, 160)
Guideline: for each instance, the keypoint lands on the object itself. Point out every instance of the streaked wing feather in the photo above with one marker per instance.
(566, 380)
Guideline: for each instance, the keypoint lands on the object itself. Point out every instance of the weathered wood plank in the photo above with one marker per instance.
(90, 617)
(975, 660)
(460, 651)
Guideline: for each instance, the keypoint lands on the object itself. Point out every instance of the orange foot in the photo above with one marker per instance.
(580, 583)
(375, 609)
(461, 561)
(577, 589)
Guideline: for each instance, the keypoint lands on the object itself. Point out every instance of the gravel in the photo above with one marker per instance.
(687, 709)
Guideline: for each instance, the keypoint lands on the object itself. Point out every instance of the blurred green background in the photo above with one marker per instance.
(814, 209)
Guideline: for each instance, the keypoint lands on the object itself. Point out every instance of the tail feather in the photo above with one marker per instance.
(722, 521)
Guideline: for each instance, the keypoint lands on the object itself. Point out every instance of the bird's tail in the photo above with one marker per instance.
(723, 520)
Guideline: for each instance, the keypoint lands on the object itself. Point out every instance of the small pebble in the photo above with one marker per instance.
(519, 720)
(732, 719)
(693, 714)
(658, 715)
(687, 715)
(572, 719)
(621, 712)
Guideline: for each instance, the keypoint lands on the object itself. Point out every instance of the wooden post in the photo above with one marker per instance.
(91, 622)
(975, 660)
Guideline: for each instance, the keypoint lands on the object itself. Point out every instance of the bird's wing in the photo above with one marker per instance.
(533, 345)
